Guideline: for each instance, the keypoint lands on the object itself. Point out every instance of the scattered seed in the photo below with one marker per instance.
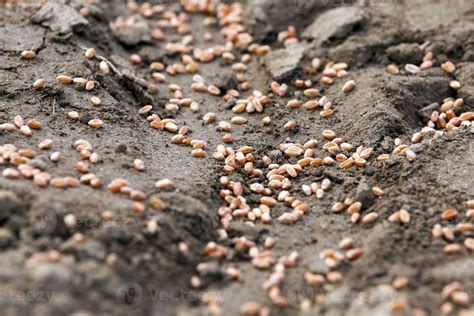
(354, 254)
(45, 144)
(452, 249)
(164, 184)
(238, 120)
(448, 67)
(354, 207)
(290, 125)
(34, 124)
(227, 138)
(18, 121)
(416, 138)
(449, 213)
(293, 151)
(346, 243)
(400, 282)
(314, 279)
(82, 167)
(25, 130)
(306, 189)
(413, 69)
(338, 207)
(104, 68)
(460, 298)
(268, 201)
(329, 134)
(370, 218)
(377, 191)
(145, 110)
(39, 84)
(293, 104)
(96, 123)
(59, 183)
(225, 126)
(198, 152)
(266, 120)
(470, 213)
(404, 216)
(135, 59)
(213, 90)
(348, 86)
(455, 85)
(28, 54)
(10, 173)
(469, 243)
(346, 164)
(55, 156)
(326, 184)
(470, 204)
(73, 115)
(139, 165)
(427, 64)
(90, 85)
(90, 53)
(334, 277)
(95, 101)
(64, 79)
(437, 231)
(392, 69)
(157, 203)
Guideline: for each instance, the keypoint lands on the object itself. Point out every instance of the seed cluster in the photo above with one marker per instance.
(277, 187)
(451, 231)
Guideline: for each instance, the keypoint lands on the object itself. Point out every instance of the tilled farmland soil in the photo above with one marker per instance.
(376, 168)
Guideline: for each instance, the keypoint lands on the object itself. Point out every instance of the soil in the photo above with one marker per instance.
(123, 269)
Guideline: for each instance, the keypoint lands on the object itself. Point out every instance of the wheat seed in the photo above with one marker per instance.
(73, 115)
(55, 156)
(393, 70)
(370, 218)
(449, 213)
(354, 254)
(39, 84)
(377, 191)
(164, 184)
(346, 243)
(90, 53)
(45, 144)
(448, 67)
(28, 54)
(413, 69)
(469, 243)
(139, 165)
(348, 86)
(64, 79)
(95, 123)
(452, 249)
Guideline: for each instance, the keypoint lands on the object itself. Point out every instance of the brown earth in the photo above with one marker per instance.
(121, 268)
